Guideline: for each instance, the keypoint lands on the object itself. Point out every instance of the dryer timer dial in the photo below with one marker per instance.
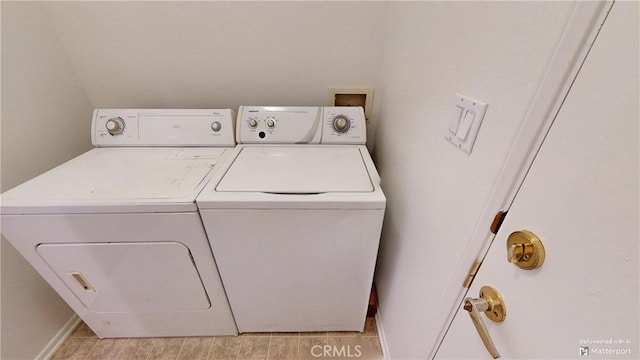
(341, 123)
(115, 126)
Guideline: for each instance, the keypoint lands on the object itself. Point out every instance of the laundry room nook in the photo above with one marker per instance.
(491, 180)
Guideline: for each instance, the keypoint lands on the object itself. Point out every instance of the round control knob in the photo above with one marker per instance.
(341, 123)
(253, 123)
(115, 126)
(271, 123)
(216, 126)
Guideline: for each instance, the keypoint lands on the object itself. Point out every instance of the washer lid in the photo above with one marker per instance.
(297, 170)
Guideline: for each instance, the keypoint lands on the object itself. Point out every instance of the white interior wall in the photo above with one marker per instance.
(222, 54)
(44, 123)
(495, 52)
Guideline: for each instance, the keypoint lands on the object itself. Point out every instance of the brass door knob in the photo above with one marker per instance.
(491, 303)
(525, 250)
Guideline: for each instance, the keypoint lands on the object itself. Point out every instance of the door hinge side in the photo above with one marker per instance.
(471, 274)
(497, 221)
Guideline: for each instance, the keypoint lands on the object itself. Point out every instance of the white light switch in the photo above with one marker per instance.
(465, 125)
(465, 122)
(455, 122)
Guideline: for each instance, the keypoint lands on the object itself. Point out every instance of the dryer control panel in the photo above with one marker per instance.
(163, 127)
(301, 125)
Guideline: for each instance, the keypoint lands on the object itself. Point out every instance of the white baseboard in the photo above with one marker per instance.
(381, 337)
(61, 336)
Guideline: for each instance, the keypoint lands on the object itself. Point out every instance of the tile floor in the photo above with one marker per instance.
(84, 344)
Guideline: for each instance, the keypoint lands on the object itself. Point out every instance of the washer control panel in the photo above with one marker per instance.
(300, 125)
(278, 124)
(344, 125)
(163, 127)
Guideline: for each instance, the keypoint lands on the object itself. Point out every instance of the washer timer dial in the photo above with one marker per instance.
(341, 123)
(115, 126)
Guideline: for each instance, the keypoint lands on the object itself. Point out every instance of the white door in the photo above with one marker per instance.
(581, 199)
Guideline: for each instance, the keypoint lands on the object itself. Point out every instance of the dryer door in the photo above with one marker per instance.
(128, 277)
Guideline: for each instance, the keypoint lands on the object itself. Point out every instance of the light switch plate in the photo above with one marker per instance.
(465, 121)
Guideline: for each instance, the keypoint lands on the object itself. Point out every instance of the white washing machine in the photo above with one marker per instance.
(294, 218)
(116, 231)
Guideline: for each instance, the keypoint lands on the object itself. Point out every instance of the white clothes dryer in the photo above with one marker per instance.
(294, 218)
(116, 231)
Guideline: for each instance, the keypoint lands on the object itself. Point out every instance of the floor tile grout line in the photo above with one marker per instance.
(240, 347)
(184, 340)
(213, 339)
(269, 347)
(92, 348)
(122, 348)
(153, 345)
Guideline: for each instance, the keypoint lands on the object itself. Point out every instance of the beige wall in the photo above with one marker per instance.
(45, 112)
